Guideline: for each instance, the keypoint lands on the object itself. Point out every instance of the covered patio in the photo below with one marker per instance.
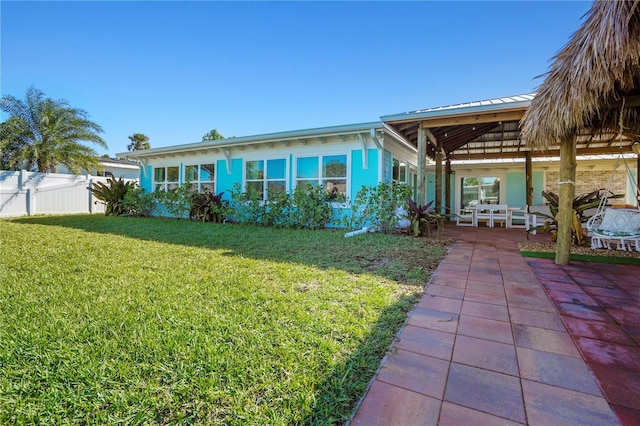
(488, 132)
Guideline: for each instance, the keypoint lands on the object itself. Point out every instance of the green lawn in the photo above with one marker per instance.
(147, 321)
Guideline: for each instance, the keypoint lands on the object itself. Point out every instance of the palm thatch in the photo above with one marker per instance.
(594, 81)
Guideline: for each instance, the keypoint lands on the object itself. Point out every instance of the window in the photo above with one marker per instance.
(166, 178)
(399, 172)
(479, 190)
(201, 177)
(264, 177)
(330, 171)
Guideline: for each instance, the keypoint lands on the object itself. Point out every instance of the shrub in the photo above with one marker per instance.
(313, 209)
(303, 209)
(581, 203)
(112, 194)
(139, 203)
(377, 205)
(208, 207)
(176, 201)
(423, 217)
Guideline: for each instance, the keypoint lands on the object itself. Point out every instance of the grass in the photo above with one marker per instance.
(586, 258)
(148, 321)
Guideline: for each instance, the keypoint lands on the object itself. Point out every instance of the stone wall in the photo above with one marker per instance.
(590, 180)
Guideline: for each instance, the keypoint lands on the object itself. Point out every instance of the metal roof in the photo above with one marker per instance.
(488, 129)
(495, 104)
(301, 136)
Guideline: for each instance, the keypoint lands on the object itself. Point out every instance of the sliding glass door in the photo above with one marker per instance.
(479, 190)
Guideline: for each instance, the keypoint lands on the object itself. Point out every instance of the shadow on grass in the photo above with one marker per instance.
(345, 383)
(339, 393)
(405, 260)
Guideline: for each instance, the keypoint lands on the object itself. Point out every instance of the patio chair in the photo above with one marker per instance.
(517, 218)
(483, 214)
(465, 217)
(500, 214)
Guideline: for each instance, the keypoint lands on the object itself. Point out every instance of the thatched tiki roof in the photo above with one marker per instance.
(591, 80)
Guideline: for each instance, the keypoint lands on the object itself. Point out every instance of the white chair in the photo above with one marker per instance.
(465, 217)
(483, 214)
(517, 218)
(500, 214)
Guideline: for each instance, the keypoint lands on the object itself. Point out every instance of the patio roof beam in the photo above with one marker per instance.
(457, 120)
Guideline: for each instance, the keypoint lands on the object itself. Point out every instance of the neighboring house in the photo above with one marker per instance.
(110, 167)
(476, 146)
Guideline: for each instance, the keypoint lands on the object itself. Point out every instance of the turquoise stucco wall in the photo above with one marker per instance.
(225, 181)
(515, 189)
(361, 176)
(146, 180)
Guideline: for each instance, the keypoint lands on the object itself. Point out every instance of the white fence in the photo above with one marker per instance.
(25, 193)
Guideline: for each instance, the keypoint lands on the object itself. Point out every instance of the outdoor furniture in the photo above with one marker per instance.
(500, 214)
(482, 213)
(533, 217)
(465, 217)
(517, 218)
(615, 226)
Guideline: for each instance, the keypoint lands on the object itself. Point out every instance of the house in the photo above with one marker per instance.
(110, 167)
(341, 158)
(472, 153)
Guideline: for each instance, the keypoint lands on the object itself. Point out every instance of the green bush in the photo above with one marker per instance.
(377, 205)
(139, 203)
(581, 203)
(208, 207)
(112, 194)
(313, 208)
(309, 209)
(176, 201)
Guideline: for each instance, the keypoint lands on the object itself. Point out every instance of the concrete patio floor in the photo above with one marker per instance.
(498, 339)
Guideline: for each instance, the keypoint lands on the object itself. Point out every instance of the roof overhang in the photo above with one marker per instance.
(301, 137)
(489, 129)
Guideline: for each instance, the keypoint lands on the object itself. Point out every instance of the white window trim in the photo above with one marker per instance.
(460, 176)
(165, 182)
(265, 180)
(334, 204)
(198, 181)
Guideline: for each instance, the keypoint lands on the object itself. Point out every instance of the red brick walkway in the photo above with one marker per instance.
(486, 345)
(600, 306)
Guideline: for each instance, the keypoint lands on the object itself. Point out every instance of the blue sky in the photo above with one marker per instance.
(175, 70)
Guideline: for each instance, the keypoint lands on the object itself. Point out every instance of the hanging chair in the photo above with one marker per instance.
(620, 226)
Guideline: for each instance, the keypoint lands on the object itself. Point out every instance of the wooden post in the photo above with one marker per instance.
(422, 154)
(438, 202)
(529, 178)
(636, 196)
(447, 188)
(566, 193)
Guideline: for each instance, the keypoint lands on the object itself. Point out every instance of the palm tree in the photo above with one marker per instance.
(41, 134)
(139, 142)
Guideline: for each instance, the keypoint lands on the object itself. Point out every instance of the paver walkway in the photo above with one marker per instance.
(600, 306)
(486, 345)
